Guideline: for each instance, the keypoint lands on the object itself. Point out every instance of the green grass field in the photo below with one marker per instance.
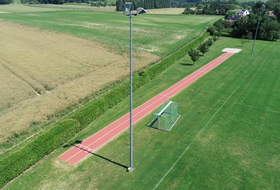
(19, 8)
(227, 136)
(157, 34)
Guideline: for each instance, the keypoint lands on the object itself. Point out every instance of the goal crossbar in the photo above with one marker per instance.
(163, 109)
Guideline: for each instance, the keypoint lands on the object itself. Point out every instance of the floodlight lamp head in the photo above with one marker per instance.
(127, 9)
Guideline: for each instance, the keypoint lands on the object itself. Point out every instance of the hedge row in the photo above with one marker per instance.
(95, 109)
(14, 164)
(17, 162)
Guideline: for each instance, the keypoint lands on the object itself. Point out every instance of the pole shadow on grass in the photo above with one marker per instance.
(102, 157)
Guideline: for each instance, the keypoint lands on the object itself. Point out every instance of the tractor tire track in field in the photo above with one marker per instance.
(38, 88)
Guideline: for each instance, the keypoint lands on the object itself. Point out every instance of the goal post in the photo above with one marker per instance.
(166, 117)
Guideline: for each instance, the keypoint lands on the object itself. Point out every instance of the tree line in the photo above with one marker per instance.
(245, 27)
(211, 5)
(3, 2)
(146, 4)
(216, 7)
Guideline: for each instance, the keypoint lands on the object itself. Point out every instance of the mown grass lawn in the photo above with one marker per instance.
(157, 34)
(227, 136)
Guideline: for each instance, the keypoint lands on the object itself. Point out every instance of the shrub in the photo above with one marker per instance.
(203, 47)
(15, 163)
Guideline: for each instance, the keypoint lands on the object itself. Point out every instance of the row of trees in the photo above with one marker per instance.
(216, 7)
(93, 2)
(146, 4)
(211, 6)
(195, 54)
(102, 3)
(42, 1)
(3, 2)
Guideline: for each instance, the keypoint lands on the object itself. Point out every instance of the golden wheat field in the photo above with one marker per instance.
(43, 73)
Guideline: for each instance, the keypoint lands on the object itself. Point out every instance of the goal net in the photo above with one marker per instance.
(166, 117)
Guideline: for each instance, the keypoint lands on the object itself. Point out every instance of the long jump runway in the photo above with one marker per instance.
(80, 151)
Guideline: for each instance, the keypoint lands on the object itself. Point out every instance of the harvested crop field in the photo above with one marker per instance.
(43, 73)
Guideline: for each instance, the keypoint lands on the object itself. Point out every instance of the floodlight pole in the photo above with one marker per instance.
(131, 102)
(127, 10)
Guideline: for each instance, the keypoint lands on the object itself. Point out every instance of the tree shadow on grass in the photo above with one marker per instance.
(187, 64)
(72, 144)
(99, 156)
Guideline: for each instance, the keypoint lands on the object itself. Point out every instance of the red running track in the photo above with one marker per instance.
(84, 149)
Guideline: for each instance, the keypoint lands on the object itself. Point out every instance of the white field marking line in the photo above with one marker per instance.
(195, 137)
(208, 65)
(256, 91)
(255, 80)
(173, 165)
(255, 107)
(165, 95)
(84, 148)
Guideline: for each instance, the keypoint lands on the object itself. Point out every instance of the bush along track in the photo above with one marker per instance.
(17, 162)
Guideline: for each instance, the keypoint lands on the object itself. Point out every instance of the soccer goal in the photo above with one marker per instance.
(166, 117)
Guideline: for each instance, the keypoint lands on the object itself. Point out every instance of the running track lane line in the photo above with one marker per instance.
(89, 145)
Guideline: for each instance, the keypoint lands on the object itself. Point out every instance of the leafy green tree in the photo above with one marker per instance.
(194, 55)
(203, 47)
(230, 12)
(222, 24)
(243, 40)
(188, 11)
(274, 6)
(209, 42)
(211, 30)
(200, 6)
(249, 36)
(119, 5)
